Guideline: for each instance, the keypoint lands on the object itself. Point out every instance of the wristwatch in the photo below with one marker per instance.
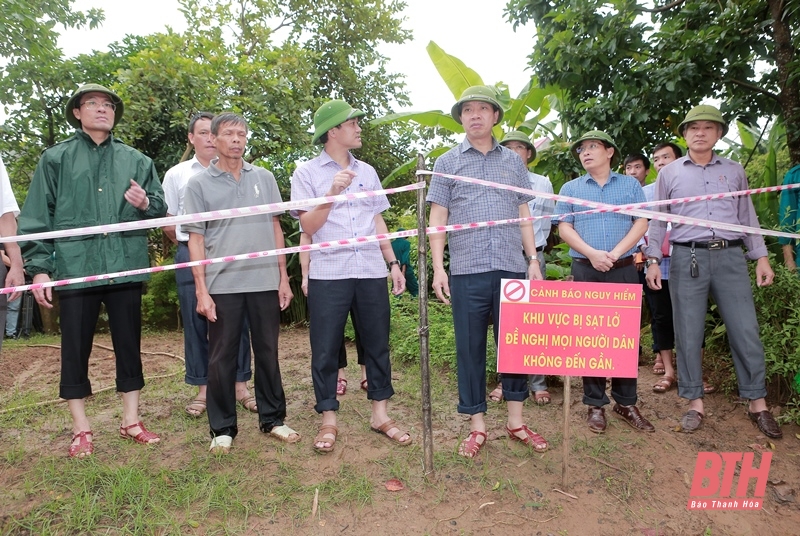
(531, 258)
(649, 262)
(394, 262)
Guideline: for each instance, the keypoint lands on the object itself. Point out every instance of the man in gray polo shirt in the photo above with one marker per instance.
(226, 291)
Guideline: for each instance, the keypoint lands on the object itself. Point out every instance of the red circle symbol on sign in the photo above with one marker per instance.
(514, 290)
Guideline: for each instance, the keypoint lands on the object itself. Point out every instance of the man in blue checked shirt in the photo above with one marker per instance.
(602, 248)
(481, 257)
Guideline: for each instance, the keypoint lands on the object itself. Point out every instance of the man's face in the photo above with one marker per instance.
(701, 136)
(663, 156)
(521, 149)
(594, 155)
(202, 140)
(230, 140)
(636, 170)
(478, 118)
(96, 112)
(348, 134)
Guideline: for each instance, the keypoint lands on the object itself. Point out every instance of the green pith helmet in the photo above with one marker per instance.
(477, 93)
(600, 136)
(75, 99)
(703, 112)
(332, 114)
(518, 135)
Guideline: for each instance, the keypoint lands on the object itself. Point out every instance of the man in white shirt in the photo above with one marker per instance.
(195, 326)
(13, 276)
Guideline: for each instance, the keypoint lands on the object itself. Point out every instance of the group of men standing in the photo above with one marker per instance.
(92, 178)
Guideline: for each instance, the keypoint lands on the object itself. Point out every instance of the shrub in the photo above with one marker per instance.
(778, 312)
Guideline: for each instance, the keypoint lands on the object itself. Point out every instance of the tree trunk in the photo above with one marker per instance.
(790, 93)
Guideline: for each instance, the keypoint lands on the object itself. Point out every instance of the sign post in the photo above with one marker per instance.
(569, 328)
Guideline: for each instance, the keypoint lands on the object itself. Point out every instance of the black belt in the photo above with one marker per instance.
(540, 248)
(182, 243)
(712, 244)
(622, 263)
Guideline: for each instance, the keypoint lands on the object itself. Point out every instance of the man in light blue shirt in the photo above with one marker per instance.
(602, 247)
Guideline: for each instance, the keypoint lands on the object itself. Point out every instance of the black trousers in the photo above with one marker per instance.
(594, 389)
(80, 309)
(329, 303)
(224, 336)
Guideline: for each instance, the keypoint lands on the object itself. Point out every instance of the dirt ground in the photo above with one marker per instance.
(622, 482)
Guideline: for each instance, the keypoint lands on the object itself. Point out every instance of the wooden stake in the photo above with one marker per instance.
(565, 441)
(423, 329)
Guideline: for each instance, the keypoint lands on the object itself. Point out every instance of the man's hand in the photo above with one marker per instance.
(764, 273)
(136, 196)
(15, 278)
(43, 296)
(602, 261)
(398, 280)
(441, 286)
(653, 277)
(285, 293)
(341, 181)
(535, 271)
(206, 306)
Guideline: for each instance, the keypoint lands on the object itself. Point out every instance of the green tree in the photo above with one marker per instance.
(637, 78)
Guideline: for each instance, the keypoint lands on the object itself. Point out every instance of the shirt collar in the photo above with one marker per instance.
(585, 178)
(715, 159)
(88, 139)
(466, 145)
(216, 172)
(326, 159)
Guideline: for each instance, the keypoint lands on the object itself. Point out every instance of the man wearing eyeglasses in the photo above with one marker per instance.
(602, 247)
(91, 179)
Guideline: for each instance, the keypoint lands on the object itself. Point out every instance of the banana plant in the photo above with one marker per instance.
(523, 112)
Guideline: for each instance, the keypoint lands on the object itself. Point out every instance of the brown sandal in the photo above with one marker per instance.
(388, 425)
(658, 366)
(196, 407)
(664, 384)
(249, 403)
(497, 394)
(327, 434)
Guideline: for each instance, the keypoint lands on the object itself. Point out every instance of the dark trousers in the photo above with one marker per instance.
(650, 300)
(475, 299)
(224, 336)
(329, 302)
(594, 389)
(195, 329)
(359, 346)
(661, 309)
(723, 273)
(4, 301)
(80, 309)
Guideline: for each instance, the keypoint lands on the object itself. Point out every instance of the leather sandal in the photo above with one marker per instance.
(542, 398)
(364, 385)
(144, 437)
(469, 447)
(327, 434)
(84, 447)
(664, 384)
(658, 366)
(196, 407)
(388, 425)
(249, 403)
(497, 393)
(531, 438)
